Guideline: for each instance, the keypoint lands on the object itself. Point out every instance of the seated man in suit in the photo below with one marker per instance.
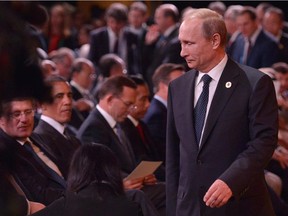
(36, 174)
(156, 115)
(82, 78)
(116, 98)
(137, 131)
(52, 126)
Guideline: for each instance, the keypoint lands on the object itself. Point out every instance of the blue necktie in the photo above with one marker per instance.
(200, 108)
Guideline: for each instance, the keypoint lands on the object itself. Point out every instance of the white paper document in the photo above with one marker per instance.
(143, 169)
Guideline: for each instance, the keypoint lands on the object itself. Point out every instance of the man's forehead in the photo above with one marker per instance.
(20, 104)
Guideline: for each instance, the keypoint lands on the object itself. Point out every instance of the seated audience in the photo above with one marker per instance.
(116, 99)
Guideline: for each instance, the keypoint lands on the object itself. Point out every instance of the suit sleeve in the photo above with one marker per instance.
(172, 160)
(263, 127)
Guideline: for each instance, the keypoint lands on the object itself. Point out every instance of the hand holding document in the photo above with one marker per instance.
(145, 168)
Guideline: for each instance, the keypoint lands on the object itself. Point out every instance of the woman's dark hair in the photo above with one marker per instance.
(94, 163)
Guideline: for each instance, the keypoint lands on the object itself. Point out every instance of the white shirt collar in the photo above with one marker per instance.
(107, 116)
(56, 125)
(164, 102)
(79, 88)
(169, 30)
(133, 120)
(215, 72)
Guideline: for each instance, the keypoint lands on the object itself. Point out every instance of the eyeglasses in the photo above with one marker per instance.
(18, 114)
(129, 106)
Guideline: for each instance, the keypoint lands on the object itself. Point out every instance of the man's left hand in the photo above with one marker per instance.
(218, 194)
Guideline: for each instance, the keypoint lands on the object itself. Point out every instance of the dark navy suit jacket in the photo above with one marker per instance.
(238, 141)
(99, 46)
(156, 120)
(264, 52)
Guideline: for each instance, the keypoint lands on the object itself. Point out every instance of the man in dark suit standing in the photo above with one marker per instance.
(116, 38)
(217, 152)
(52, 126)
(116, 99)
(37, 175)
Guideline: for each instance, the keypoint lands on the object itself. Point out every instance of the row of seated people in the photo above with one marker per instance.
(51, 143)
(41, 183)
(278, 165)
(85, 84)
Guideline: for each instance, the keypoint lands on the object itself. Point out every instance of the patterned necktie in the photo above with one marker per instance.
(200, 108)
(126, 147)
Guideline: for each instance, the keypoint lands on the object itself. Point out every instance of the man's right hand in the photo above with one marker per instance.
(133, 183)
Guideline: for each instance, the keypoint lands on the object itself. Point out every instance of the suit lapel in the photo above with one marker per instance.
(226, 86)
(190, 92)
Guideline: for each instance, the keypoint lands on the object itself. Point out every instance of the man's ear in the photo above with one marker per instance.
(216, 40)
(109, 98)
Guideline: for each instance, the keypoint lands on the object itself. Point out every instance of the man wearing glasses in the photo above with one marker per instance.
(37, 181)
(116, 97)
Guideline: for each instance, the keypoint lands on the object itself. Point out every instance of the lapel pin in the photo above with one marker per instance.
(228, 84)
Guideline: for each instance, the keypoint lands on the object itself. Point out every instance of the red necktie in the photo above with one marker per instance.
(141, 132)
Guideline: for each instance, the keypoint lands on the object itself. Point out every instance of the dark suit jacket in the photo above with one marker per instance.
(11, 203)
(86, 202)
(58, 148)
(143, 150)
(264, 53)
(238, 141)
(96, 129)
(156, 120)
(283, 47)
(99, 46)
(78, 117)
(37, 184)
